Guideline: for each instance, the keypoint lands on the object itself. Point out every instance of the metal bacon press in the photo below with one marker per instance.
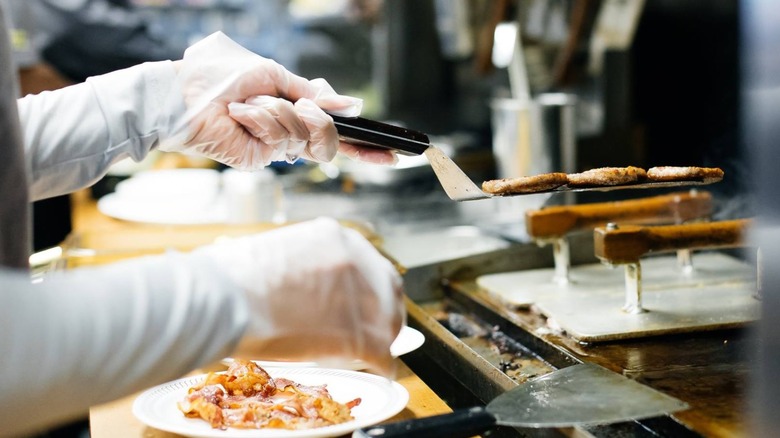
(642, 287)
(660, 293)
(499, 315)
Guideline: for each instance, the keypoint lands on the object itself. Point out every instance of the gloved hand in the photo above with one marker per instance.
(316, 291)
(246, 111)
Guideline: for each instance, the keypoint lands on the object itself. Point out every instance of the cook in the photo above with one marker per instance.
(83, 337)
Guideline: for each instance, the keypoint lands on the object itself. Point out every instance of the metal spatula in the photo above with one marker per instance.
(457, 185)
(365, 132)
(579, 395)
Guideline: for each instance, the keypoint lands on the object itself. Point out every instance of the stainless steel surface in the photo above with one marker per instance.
(562, 260)
(429, 247)
(633, 281)
(559, 127)
(599, 316)
(534, 136)
(457, 185)
(583, 394)
(525, 287)
(466, 356)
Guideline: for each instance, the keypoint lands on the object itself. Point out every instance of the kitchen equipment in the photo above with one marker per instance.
(700, 368)
(583, 394)
(534, 136)
(551, 225)
(523, 289)
(251, 197)
(457, 185)
(598, 316)
(625, 245)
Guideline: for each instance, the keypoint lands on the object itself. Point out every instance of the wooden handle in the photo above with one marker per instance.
(557, 221)
(626, 244)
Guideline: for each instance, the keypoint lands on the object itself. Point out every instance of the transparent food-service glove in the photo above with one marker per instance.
(316, 291)
(246, 111)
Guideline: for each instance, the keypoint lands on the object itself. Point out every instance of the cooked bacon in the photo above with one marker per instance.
(248, 380)
(247, 397)
(205, 403)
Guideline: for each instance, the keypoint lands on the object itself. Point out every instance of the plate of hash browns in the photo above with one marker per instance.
(250, 401)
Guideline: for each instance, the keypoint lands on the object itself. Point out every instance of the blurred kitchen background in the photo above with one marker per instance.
(644, 83)
(656, 81)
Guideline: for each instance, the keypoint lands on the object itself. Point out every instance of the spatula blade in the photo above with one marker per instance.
(584, 394)
(457, 185)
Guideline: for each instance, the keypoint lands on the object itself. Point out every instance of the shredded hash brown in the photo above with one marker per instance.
(600, 177)
(684, 173)
(525, 184)
(247, 397)
(607, 176)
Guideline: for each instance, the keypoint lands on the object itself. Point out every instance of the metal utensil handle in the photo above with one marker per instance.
(462, 423)
(370, 133)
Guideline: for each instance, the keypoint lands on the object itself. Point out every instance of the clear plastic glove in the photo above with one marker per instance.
(246, 111)
(317, 291)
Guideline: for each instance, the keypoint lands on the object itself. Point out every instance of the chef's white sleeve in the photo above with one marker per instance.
(87, 336)
(72, 135)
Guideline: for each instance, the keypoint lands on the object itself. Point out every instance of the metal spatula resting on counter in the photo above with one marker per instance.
(579, 395)
(458, 186)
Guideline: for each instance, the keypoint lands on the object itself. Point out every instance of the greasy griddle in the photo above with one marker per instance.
(705, 369)
(478, 347)
(524, 288)
(551, 226)
(629, 297)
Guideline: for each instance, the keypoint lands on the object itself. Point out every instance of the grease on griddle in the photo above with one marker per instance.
(493, 345)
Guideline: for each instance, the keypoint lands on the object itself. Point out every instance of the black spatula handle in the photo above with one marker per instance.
(462, 423)
(370, 133)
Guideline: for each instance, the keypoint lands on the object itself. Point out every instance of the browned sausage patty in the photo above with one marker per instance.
(525, 184)
(685, 173)
(607, 176)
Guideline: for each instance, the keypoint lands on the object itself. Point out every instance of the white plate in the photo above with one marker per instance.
(171, 212)
(380, 400)
(176, 196)
(407, 341)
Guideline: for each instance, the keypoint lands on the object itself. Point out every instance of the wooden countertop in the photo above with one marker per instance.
(114, 239)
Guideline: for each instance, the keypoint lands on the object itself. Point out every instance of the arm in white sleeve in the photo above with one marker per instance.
(74, 134)
(93, 335)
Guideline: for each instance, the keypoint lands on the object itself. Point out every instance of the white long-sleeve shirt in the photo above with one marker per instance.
(87, 336)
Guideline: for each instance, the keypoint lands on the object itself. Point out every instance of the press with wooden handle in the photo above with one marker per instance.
(627, 244)
(550, 225)
(556, 225)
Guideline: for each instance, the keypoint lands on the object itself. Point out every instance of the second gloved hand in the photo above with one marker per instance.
(316, 291)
